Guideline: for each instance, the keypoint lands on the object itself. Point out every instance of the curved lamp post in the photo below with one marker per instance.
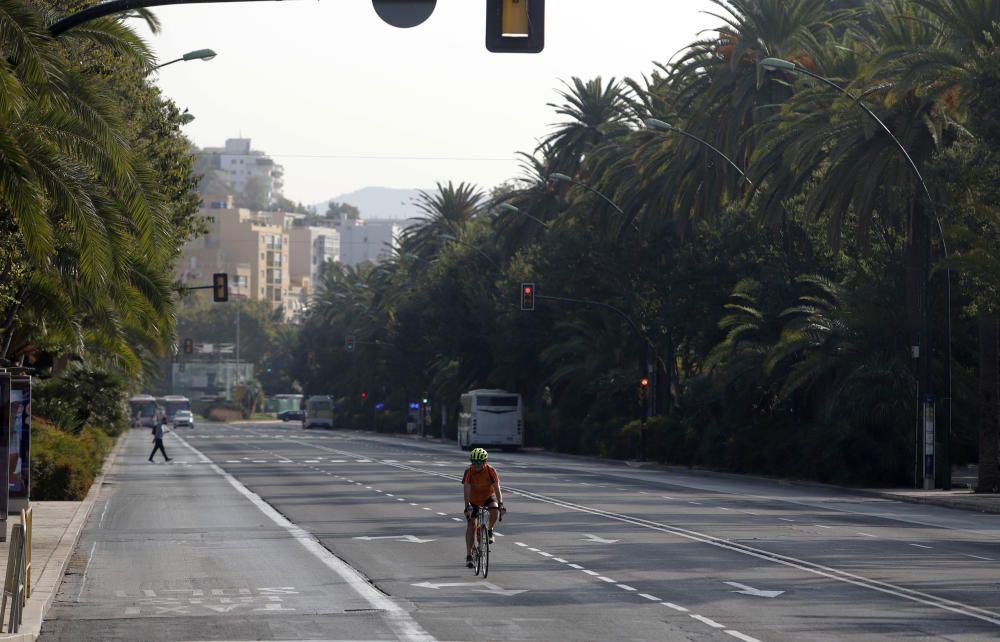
(186, 117)
(454, 239)
(513, 209)
(778, 64)
(656, 123)
(198, 54)
(569, 179)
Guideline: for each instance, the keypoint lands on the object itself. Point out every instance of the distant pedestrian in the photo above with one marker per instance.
(158, 440)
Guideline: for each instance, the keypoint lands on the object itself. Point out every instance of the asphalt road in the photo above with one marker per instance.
(269, 532)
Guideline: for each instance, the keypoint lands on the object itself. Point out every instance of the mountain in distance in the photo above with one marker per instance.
(378, 202)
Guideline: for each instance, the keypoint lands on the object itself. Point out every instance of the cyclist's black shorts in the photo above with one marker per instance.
(489, 503)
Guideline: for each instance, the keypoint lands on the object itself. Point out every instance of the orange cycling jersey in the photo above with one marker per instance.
(481, 482)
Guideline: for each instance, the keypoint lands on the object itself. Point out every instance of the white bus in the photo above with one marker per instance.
(173, 403)
(319, 412)
(146, 410)
(491, 418)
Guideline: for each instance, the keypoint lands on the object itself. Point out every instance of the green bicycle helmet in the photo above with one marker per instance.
(478, 454)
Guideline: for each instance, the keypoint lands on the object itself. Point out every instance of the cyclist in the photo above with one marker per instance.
(482, 488)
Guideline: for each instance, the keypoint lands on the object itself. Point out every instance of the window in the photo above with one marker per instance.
(497, 402)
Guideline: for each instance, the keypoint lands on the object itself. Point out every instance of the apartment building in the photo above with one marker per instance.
(238, 163)
(368, 240)
(310, 247)
(252, 247)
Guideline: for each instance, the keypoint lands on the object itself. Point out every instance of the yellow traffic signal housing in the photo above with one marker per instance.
(515, 26)
(220, 287)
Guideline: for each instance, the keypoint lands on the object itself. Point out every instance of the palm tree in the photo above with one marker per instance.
(594, 111)
(82, 206)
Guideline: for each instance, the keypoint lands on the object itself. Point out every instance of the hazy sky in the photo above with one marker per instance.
(345, 101)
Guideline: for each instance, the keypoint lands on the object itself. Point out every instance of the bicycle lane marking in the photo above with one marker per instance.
(404, 626)
(838, 575)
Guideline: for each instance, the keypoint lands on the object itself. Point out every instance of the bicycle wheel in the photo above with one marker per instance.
(484, 546)
(486, 553)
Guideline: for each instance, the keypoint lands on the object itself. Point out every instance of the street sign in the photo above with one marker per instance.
(404, 13)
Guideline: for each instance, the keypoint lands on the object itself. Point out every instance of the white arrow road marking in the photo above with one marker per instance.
(401, 538)
(598, 540)
(485, 587)
(749, 590)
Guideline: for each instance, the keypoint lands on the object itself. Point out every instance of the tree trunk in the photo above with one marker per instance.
(989, 404)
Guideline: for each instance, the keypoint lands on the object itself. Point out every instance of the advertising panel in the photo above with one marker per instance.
(19, 450)
(5, 424)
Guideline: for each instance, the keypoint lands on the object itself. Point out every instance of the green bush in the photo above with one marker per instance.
(225, 411)
(64, 465)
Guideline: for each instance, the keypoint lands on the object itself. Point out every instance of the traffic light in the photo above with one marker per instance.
(188, 346)
(349, 343)
(515, 26)
(643, 388)
(364, 395)
(220, 287)
(527, 296)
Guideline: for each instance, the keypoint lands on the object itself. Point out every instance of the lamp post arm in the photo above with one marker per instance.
(606, 200)
(169, 62)
(712, 147)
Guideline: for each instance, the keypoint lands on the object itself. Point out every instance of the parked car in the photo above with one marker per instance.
(290, 415)
(183, 418)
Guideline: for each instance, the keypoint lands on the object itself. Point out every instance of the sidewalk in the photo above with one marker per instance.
(56, 527)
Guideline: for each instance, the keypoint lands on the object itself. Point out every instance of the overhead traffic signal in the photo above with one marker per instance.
(349, 343)
(515, 26)
(643, 388)
(188, 346)
(220, 287)
(527, 296)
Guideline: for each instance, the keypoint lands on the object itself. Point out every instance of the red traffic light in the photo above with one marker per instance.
(364, 395)
(644, 382)
(527, 296)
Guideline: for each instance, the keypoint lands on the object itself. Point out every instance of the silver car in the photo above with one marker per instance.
(183, 418)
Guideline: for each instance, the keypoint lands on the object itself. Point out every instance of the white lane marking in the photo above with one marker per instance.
(425, 508)
(740, 636)
(695, 503)
(785, 519)
(576, 566)
(625, 587)
(560, 560)
(606, 579)
(414, 504)
(867, 534)
(83, 582)
(533, 550)
(921, 546)
(977, 557)
(522, 544)
(723, 508)
(545, 554)
(666, 497)
(823, 526)
(456, 519)
(671, 605)
(443, 514)
(589, 572)
(711, 623)
(651, 598)
(749, 512)
(404, 626)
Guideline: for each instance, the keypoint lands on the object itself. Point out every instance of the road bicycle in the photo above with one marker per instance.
(481, 542)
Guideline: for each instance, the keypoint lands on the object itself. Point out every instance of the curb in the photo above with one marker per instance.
(47, 584)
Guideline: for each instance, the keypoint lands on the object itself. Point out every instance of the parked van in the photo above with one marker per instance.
(318, 412)
(491, 418)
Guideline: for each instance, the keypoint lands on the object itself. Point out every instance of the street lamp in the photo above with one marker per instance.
(656, 123)
(557, 176)
(513, 209)
(778, 64)
(198, 54)
(186, 117)
(453, 238)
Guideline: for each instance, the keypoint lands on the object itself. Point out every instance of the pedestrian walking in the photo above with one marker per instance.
(158, 440)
